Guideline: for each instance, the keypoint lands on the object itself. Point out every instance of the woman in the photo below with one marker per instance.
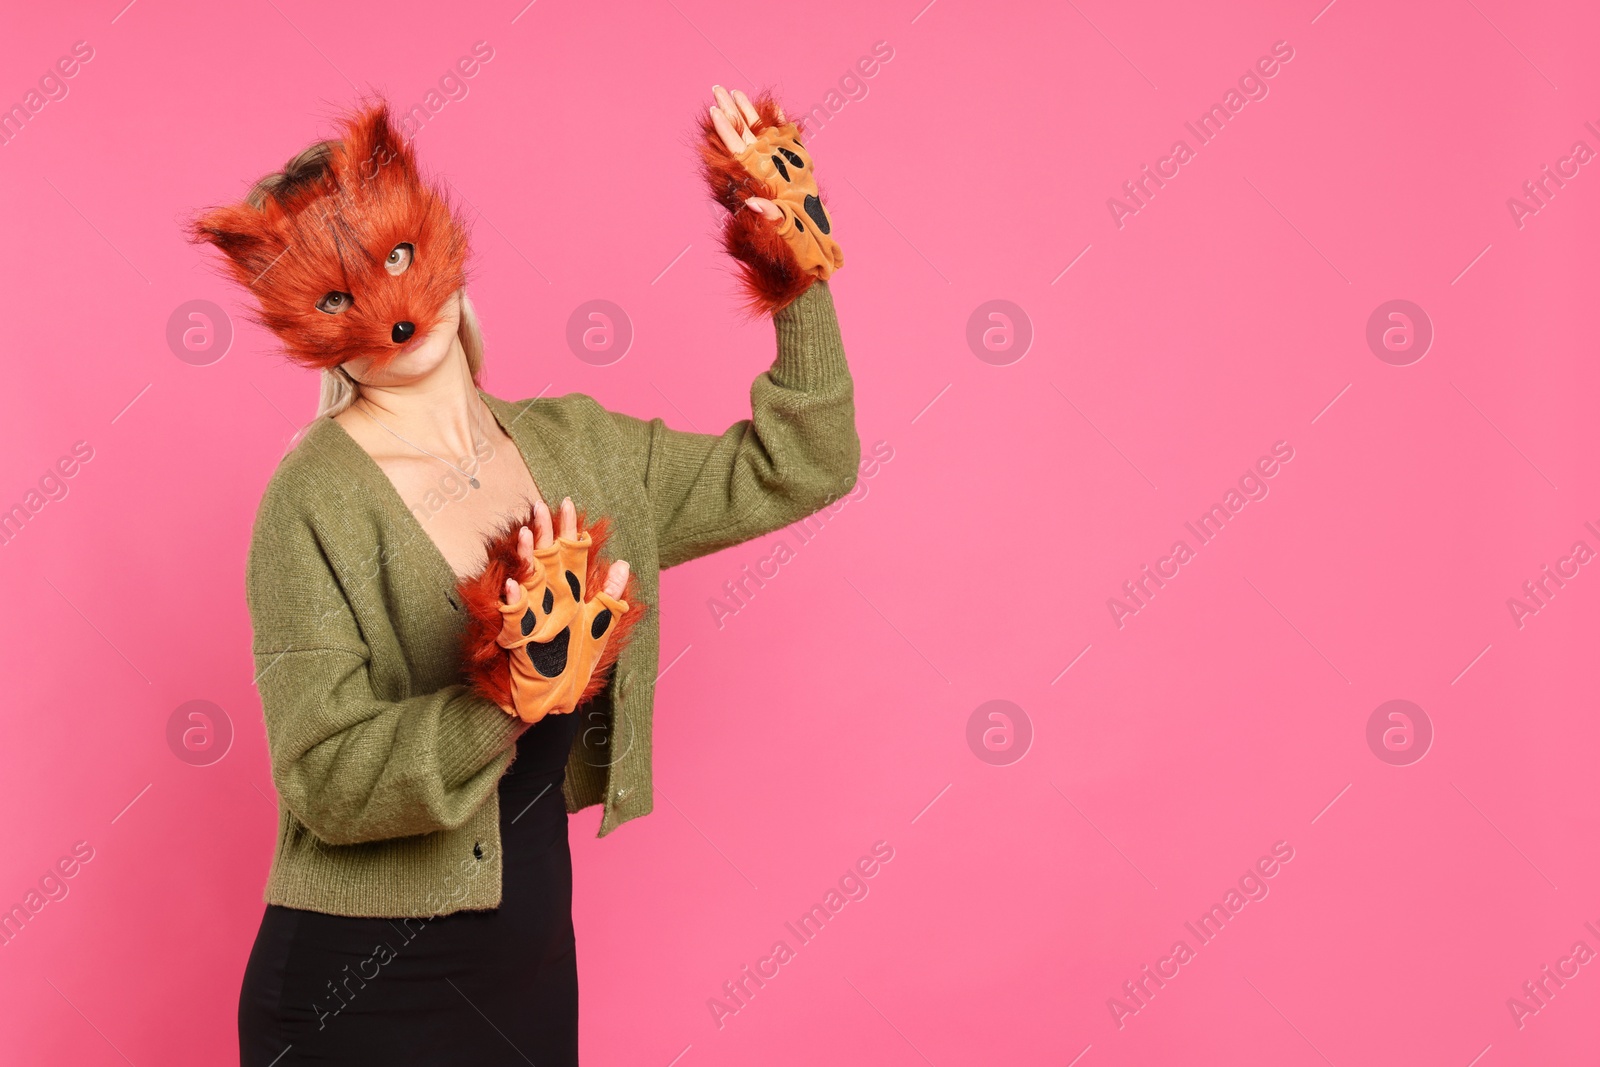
(419, 903)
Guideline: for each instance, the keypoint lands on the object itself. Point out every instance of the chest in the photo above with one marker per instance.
(456, 517)
(399, 583)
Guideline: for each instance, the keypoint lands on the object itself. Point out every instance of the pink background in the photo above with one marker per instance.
(975, 565)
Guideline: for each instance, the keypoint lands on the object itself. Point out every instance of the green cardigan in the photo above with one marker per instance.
(386, 764)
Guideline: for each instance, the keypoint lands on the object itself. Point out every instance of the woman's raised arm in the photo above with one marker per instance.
(797, 452)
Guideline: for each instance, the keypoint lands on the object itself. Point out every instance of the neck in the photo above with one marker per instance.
(441, 411)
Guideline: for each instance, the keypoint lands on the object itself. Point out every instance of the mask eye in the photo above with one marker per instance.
(334, 303)
(399, 259)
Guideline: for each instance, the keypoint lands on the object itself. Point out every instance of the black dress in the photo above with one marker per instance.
(473, 987)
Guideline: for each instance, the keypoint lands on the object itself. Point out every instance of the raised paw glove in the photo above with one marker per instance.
(554, 648)
(554, 634)
(778, 258)
(778, 159)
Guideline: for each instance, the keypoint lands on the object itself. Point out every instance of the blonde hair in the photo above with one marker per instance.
(339, 390)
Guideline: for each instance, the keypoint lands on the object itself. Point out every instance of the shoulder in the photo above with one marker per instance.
(316, 475)
(567, 414)
(317, 514)
(576, 430)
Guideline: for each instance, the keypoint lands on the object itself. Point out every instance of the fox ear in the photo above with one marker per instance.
(241, 233)
(371, 143)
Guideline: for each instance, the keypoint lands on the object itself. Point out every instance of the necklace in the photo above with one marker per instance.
(470, 479)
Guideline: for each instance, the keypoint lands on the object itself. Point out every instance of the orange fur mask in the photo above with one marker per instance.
(349, 255)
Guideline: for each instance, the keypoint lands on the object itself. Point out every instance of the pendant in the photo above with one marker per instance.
(474, 482)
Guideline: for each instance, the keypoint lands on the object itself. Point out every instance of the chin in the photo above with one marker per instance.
(425, 358)
(414, 360)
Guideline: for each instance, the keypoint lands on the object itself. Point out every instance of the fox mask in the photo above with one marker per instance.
(350, 256)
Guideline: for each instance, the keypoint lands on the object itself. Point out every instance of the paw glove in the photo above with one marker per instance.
(779, 259)
(553, 648)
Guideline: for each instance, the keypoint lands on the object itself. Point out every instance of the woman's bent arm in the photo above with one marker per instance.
(349, 765)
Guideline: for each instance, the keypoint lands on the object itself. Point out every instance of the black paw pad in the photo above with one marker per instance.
(549, 601)
(818, 216)
(529, 622)
(572, 583)
(601, 622)
(549, 658)
(795, 161)
(777, 161)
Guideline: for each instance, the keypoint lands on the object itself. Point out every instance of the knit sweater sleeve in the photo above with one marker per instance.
(797, 452)
(350, 765)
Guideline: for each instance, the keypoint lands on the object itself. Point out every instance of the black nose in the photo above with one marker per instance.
(402, 332)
